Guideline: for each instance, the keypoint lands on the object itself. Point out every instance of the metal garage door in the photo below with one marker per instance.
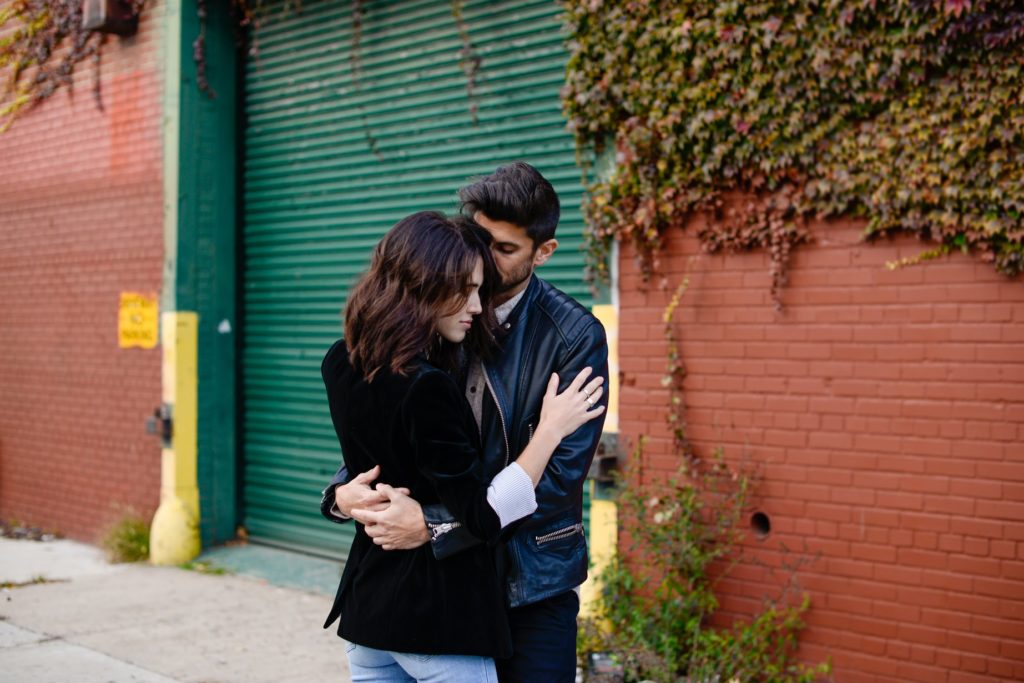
(332, 163)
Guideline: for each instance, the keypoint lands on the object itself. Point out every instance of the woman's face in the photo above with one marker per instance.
(454, 327)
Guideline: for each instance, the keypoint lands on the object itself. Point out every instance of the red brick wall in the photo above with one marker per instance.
(886, 409)
(81, 221)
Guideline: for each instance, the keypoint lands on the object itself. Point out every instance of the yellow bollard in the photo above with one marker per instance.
(604, 527)
(604, 532)
(174, 535)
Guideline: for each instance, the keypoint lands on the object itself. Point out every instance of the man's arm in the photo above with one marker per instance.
(341, 498)
(328, 504)
(570, 463)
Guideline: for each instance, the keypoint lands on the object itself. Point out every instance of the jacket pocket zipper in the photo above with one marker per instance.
(437, 530)
(560, 534)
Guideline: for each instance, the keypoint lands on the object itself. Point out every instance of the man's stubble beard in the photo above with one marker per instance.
(520, 276)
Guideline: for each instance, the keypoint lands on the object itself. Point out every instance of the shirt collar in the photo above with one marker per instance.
(502, 312)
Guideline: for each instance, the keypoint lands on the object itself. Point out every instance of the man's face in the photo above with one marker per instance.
(514, 254)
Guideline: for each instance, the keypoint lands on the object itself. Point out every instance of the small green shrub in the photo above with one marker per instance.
(127, 538)
(656, 603)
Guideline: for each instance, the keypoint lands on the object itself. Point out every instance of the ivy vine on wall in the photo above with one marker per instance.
(34, 33)
(34, 60)
(909, 113)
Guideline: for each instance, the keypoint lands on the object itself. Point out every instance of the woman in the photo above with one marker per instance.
(424, 302)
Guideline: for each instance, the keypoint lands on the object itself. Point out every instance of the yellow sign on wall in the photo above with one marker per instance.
(137, 321)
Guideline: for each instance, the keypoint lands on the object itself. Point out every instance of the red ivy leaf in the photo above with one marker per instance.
(957, 7)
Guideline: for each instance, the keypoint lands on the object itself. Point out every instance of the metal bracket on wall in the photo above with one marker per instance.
(161, 423)
(606, 462)
(110, 16)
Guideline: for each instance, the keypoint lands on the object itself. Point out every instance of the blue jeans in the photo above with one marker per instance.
(382, 666)
(543, 641)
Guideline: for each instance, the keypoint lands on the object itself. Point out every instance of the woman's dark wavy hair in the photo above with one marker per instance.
(420, 270)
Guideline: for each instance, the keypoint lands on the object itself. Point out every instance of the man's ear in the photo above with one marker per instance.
(544, 252)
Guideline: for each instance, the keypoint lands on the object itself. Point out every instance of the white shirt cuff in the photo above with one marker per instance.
(338, 513)
(511, 494)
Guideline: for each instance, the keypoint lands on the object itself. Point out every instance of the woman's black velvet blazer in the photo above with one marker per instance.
(420, 430)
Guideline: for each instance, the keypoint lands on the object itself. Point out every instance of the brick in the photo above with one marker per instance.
(971, 603)
(874, 553)
(850, 568)
(977, 527)
(999, 628)
(1006, 510)
(949, 505)
(852, 495)
(818, 510)
(973, 293)
(923, 484)
(945, 619)
(952, 468)
(1000, 667)
(907, 671)
(900, 500)
(976, 546)
(853, 352)
(1011, 590)
(947, 659)
(1003, 549)
(923, 635)
(913, 557)
(967, 677)
(976, 566)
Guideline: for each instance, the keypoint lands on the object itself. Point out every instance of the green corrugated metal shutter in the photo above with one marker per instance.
(330, 166)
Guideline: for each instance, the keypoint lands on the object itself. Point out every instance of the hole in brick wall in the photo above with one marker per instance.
(761, 525)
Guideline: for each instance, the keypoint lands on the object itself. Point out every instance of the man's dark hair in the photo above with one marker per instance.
(516, 193)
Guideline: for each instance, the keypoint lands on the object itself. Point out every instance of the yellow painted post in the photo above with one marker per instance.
(174, 536)
(609, 317)
(604, 530)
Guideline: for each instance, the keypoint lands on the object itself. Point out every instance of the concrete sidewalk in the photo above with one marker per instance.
(86, 621)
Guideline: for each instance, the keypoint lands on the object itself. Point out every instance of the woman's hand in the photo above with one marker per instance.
(564, 413)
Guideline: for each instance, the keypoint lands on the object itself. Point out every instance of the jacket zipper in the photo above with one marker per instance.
(501, 416)
(529, 429)
(560, 534)
(440, 529)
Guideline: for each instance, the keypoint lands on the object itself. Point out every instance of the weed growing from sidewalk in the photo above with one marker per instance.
(204, 568)
(15, 529)
(127, 538)
(34, 581)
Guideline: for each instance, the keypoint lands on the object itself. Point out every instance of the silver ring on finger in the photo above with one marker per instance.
(590, 402)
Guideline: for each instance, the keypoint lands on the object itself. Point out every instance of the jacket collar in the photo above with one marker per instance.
(518, 315)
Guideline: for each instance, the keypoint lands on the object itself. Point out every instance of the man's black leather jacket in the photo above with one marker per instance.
(547, 332)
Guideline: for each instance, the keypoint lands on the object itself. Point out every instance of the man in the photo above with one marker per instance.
(541, 331)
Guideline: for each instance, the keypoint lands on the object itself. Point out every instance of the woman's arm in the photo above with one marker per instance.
(561, 415)
(445, 454)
